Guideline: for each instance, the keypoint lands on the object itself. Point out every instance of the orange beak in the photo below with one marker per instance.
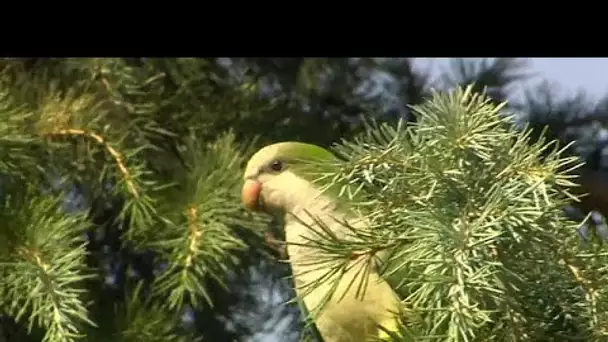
(250, 194)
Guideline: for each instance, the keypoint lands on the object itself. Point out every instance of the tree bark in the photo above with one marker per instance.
(594, 191)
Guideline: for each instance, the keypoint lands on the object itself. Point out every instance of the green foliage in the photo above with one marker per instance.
(469, 210)
(119, 185)
(113, 130)
(141, 319)
(43, 266)
(198, 242)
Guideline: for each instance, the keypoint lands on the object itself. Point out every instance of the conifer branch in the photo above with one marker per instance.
(141, 317)
(45, 274)
(33, 256)
(195, 235)
(472, 211)
(197, 242)
(116, 155)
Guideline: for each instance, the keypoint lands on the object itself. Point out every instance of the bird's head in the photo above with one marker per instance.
(278, 177)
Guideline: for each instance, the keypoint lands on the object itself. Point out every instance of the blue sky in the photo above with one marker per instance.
(590, 74)
(568, 74)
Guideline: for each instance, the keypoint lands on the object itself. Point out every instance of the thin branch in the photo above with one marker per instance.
(195, 235)
(33, 256)
(118, 157)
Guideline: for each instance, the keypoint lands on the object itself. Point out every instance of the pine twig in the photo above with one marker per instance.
(195, 235)
(116, 155)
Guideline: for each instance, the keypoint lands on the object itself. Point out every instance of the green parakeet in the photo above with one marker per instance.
(277, 181)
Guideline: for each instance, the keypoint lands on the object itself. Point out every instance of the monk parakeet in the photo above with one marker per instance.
(278, 180)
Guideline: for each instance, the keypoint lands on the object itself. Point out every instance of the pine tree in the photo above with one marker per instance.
(120, 185)
(469, 209)
(108, 167)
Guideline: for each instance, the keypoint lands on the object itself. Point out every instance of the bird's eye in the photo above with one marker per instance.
(276, 166)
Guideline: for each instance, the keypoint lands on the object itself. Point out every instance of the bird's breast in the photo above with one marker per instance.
(347, 317)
